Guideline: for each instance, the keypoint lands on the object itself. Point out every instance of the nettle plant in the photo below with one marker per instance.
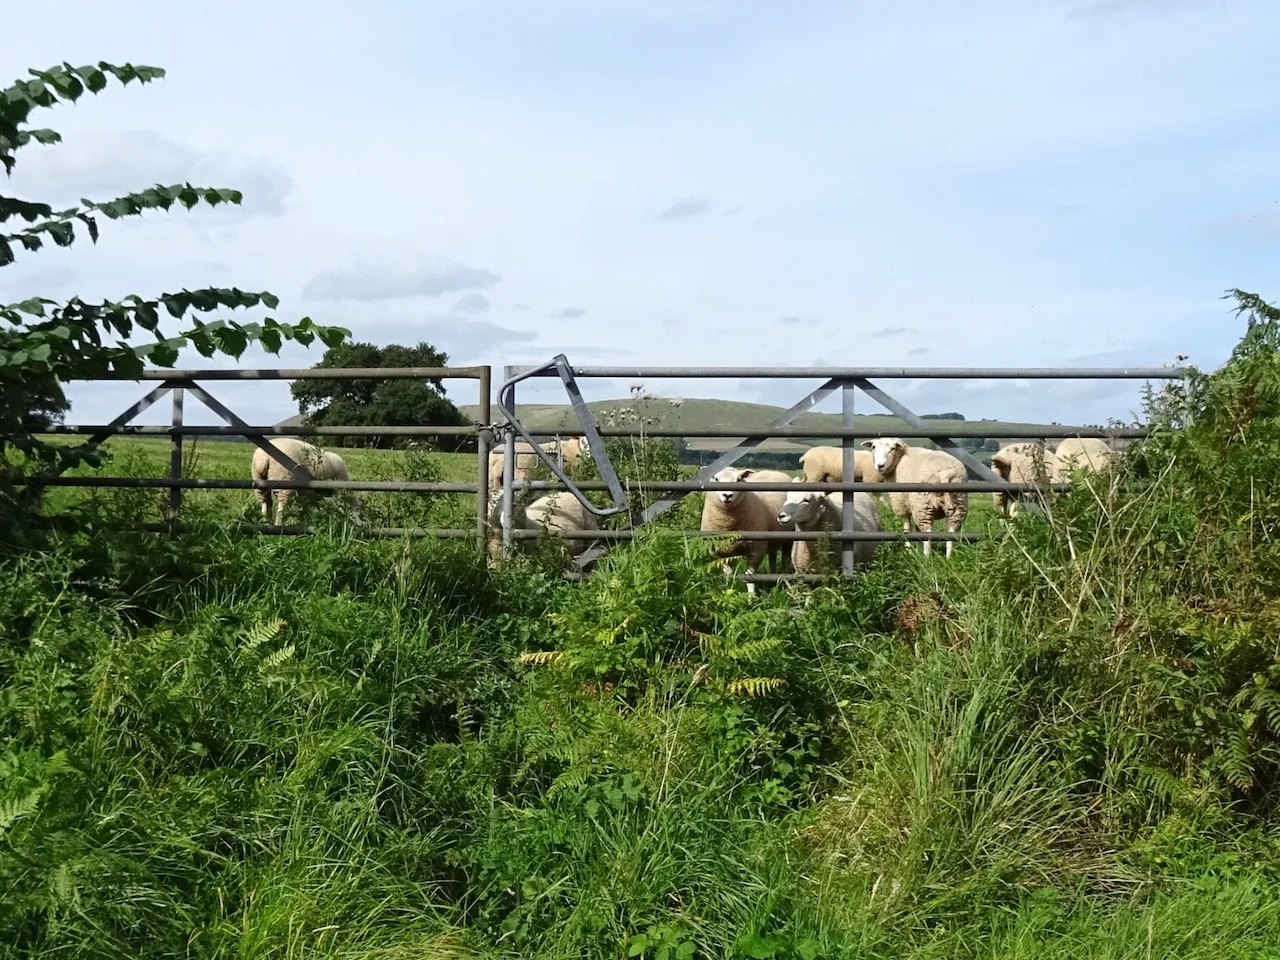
(44, 343)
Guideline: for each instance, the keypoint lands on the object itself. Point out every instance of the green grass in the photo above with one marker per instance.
(1064, 741)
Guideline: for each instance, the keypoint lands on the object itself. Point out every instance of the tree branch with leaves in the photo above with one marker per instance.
(44, 342)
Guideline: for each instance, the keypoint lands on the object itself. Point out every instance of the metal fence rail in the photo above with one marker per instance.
(178, 383)
(848, 381)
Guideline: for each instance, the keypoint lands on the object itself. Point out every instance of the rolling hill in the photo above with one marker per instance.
(694, 414)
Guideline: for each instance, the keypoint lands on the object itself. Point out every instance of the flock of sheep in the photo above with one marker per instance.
(886, 459)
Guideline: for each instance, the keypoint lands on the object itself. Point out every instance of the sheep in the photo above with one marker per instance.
(902, 464)
(525, 463)
(572, 450)
(315, 464)
(1021, 463)
(826, 465)
(728, 510)
(813, 510)
(1084, 453)
(551, 513)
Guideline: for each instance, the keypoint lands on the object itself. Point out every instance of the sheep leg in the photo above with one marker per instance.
(264, 501)
(954, 523)
(282, 501)
(924, 523)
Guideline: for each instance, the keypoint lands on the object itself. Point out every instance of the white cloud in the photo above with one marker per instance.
(369, 281)
(102, 165)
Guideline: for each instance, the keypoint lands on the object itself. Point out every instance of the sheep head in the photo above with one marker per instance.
(732, 475)
(801, 507)
(885, 453)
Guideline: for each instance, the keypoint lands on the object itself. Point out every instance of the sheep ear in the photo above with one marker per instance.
(868, 444)
(746, 473)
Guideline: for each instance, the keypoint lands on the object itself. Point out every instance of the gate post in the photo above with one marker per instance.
(482, 464)
(174, 512)
(847, 392)
(508, 464)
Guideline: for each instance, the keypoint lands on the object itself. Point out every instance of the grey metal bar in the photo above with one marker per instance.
(506, 397)
(960, 428)
(145, 403)
(482, 467)
(220, 483)
(835, 535)
(274, 452)
(289, 530)
(308, 373)
(507, 403)
(407, 486)
(603, 465)
(834, 486)
(884, 373)
(300, 430)
(847, 393)
(451, 532)
(175, 458)
(661, 506)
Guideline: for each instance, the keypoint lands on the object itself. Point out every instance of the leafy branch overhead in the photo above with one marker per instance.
(44, 342)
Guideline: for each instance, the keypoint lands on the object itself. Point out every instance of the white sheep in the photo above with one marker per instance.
(826, 465)
(902, 464)
(747, 510)
(572, 450)
(315, 464)
(1083, 453)
(1021, 463)
(810, 510)
(552, 513)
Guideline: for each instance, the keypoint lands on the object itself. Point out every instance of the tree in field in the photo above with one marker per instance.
(382, 403)
(43, 342)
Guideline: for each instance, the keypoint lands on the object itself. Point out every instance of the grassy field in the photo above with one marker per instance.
(1062, 742)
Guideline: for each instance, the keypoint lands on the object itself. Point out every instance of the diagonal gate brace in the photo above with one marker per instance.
(726, 459)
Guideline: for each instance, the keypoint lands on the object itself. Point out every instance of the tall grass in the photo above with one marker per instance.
(1061, 742)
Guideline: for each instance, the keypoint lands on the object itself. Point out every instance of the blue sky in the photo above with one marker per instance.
(922, 183)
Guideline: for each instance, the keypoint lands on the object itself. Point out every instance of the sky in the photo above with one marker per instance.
(700, 182)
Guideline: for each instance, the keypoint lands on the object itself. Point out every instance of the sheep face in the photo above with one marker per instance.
(885, 452)
(732, 475)
(801, 507)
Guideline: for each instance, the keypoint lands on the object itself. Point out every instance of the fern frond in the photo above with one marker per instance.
(1160, 783)
(752, 650)
(542, 658)
(261, 632)
(1267, 703)
(275, 659)
(755, 686)
(13, 809)
(571, 779)
(1236, 761)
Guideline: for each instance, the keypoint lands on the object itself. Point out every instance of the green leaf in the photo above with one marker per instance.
(33, 306)
(333, 336)
(270, 340)
(758, 947)
(40, 352)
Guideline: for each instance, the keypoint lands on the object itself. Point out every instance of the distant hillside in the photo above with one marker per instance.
(695, 414)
